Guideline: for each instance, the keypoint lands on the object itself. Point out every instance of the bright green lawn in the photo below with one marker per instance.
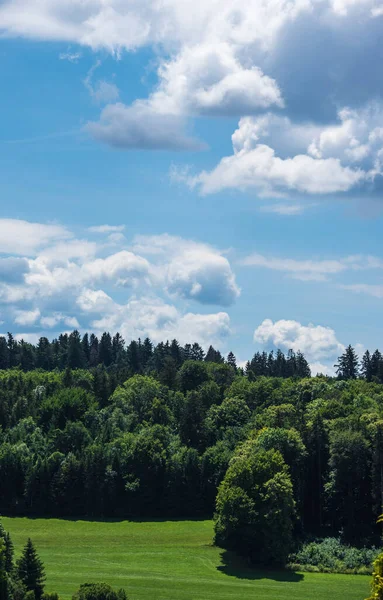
(164, 561)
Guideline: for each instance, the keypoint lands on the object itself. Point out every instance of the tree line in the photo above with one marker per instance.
(74, 351)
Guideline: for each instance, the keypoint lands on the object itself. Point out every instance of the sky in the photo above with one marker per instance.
(206, 170)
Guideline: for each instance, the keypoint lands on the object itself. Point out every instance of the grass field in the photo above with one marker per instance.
(165, 561)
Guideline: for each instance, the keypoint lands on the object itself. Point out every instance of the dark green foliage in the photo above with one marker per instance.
(255, 506)
(149, 431)
(30, 570)
(348, 364)
(98, 591)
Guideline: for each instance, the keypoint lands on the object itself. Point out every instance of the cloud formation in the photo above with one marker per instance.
(315, 341)
(312, 159)
(144, 289)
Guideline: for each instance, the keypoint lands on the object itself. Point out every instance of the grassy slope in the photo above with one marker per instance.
(164, 561)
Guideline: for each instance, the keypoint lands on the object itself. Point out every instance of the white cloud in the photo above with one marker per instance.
(72, 57)
(58, 318)
(313, 270)
(69, 284)
(283, 209)
(318, 368)
(208, 78)
(138, 126)
(106, 228)
(22, 237)
(316, 169)
(26, 317)
(148, 316)
(101, 91)
(261, 170)
(191, 270)
(316, 342)
(364, 288)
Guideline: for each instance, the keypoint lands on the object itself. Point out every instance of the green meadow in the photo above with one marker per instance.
(166, 560)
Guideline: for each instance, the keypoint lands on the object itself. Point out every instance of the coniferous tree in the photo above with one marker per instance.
(105, 349)
(93, 351)
(347, 366)
(75, 357)
(44, 354)
(85, 349)
(4, 353)
(8, 549)
(231, 360)
(366, 368)
(197, 352)
(30, 570)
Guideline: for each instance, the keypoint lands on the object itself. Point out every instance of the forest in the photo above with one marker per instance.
(94, 428)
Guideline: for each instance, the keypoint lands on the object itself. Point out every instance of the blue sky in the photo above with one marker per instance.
(233, 149)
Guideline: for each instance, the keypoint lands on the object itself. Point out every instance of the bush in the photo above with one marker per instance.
(98, 591)
(377, 580)
(330, 555)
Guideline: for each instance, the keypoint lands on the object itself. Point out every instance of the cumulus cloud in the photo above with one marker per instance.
(146, 290)
(26, 317)
(315, 341)
(138, 126)
(191, 270)
(57, 319)
(329, 159)
(23, 237)
(149, 316)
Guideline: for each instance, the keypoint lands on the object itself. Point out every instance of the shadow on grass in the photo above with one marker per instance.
(235, 566)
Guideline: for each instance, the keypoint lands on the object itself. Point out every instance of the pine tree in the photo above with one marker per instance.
(348, 364)
(30, 570)
(105, 349)
(231, 360)
(4, 353)
(76, 358)
(366, 369)
(8, 549)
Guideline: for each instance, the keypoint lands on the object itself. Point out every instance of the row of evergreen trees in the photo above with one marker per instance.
(74, 351)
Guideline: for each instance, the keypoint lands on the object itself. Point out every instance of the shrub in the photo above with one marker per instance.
(98, 591)
(330, 555)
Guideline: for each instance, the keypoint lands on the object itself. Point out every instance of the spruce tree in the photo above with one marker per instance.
(30, 570)
(231, 360)
(347, 366)
(8, 549)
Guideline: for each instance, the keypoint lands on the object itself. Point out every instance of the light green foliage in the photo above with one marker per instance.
(165, 561)
(139, 396)
(377, 580)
